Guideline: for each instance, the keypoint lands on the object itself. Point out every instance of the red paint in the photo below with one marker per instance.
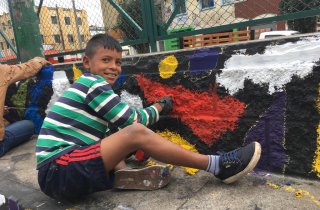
(208, 115)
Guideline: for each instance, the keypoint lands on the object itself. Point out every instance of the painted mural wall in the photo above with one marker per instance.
(224, 97)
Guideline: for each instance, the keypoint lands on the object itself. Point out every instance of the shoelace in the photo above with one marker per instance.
(230, 158)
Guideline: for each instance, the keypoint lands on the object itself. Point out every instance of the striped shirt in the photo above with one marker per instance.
(81, 116)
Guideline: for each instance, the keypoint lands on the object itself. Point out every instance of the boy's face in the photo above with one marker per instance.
(106, 63)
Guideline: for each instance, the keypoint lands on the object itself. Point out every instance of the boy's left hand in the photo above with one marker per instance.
(166, 103)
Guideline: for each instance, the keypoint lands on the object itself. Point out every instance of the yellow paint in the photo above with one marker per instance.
(301, 193)
(316, 161)
(298, 193)
(177, 139)
(289, 188)
(275, 186)
(167, 67)
(76, 72)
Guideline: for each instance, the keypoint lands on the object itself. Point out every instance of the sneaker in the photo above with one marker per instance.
(239, 162)
(148, 178)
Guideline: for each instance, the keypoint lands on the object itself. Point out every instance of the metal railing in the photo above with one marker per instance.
(153, 25)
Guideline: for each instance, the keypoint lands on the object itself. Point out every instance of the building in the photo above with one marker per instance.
(259, 9)
(62, 29)
(6, 27)
(200, 14)
(110, 17)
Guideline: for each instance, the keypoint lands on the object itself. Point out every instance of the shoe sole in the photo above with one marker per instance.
(253, 162)
(148, 178)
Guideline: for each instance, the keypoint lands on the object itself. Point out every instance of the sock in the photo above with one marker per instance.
(213, 164)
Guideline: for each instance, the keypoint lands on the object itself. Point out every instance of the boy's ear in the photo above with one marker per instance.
(85, 62)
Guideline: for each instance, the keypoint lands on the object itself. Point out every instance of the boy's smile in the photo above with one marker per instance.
(104, 62)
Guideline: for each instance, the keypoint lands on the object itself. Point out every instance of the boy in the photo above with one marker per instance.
(74, 158)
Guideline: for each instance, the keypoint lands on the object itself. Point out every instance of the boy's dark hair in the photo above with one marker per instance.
(102, 40)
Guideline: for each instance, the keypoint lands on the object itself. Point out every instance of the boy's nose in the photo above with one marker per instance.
(113, 64)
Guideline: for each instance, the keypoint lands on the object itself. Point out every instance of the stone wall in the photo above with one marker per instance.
(224, 97)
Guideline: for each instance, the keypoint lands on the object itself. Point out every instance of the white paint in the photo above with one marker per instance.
(160, 183)
(146, 183)
(123, 207)
(275, 67)
(60, 83)
(133, 101)
(2, 200)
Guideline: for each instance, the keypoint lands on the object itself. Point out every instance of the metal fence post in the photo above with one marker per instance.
(150, 24)
(25, 24)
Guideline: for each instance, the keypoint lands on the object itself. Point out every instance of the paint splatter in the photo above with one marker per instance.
(167, 67)
(60, 83)
(132, 100)
(298, 193)
(316, 162)
(276, 66)
(39, 91)
(76, 72)
(269, 131)
(208, 115)
(177, 139)
(204, 59)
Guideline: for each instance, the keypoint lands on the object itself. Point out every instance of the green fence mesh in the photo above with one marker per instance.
(66, 25)
(7, 41)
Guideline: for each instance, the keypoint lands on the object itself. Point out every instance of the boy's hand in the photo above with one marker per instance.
(166, 104)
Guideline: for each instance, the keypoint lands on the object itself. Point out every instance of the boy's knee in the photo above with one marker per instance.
(137, 129)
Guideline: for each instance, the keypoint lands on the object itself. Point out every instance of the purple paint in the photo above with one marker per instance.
(204, 59)
(269, 131)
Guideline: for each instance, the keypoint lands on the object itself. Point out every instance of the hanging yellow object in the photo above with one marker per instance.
(76, 72)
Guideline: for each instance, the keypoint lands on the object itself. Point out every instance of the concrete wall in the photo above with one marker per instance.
(224, 97)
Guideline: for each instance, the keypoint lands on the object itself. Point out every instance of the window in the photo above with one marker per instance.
(54, 20)
(207, 4)
(70, 38)
(79, 21)
(67, 20)
(224, 2)
(57, 38)
(182, 7)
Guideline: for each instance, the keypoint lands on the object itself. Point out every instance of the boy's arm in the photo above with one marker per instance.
(109, 106)
(28, 69)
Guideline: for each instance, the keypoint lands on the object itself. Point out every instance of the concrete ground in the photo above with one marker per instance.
(201, 191)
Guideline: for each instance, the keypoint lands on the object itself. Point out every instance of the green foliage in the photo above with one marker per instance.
(304, 25)
(19, 99)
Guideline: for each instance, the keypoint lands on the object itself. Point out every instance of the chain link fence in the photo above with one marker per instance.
(7, 41)
(66, 25)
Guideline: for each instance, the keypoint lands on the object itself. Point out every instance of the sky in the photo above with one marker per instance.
(92, 7)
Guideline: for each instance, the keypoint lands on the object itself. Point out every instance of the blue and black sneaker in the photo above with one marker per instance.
(237, 163)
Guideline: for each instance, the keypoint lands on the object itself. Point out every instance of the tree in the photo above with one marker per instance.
(304, 25)
(133, 9)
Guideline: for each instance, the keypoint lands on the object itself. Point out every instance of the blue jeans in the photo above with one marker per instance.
(15, 134)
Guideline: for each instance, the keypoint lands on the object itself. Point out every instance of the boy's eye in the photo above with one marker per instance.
(119, 62)
(106, 59)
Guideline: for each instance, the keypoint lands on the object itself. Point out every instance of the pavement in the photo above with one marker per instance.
(258, 190)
